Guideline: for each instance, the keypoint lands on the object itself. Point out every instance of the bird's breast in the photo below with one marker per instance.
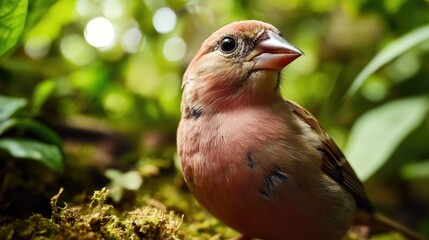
(234, 160)
(222, 148)
(249, 169)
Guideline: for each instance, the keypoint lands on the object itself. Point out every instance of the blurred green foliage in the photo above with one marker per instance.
(378, 132)
(15, 140)
(105, 72)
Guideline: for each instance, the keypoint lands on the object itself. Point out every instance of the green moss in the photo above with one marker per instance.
(95, 220)
(34, 227)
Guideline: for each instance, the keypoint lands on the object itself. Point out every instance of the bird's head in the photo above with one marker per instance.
(238, 65)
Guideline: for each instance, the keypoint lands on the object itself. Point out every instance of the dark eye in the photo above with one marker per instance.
(228, 45)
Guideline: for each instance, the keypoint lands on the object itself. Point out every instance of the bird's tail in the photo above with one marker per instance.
(381, 222)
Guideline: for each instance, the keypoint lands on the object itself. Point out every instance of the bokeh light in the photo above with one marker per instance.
(117, 103)
(84, 7)
(404, 67)
(174, 49)
(131, 40)
(113, 9)
(375, 88)
(37, 47)
(164, 20)
(74, 48)
(99, 32)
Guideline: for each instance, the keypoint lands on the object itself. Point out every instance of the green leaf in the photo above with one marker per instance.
(48, 21)
(388, 53)
(36, 9)
(47, 154)
(41, 93)
(131, 180)
(376, 134)
(9, 106)
(13, 14)
(33, 126)
(416, 170)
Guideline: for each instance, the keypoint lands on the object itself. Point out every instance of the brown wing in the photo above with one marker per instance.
(334, 163)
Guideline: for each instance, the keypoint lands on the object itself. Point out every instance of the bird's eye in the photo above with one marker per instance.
(228, 45)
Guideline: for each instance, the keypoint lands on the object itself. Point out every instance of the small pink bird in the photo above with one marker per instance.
(261, 164)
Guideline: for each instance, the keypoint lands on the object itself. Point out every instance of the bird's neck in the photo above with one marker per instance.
(246, 98)
(258, 89)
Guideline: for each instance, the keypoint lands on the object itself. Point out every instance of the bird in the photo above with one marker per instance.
(262, 164)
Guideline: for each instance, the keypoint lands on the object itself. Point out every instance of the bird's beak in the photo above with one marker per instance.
(274, 53)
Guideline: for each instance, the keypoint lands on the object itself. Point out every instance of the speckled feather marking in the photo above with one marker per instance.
(275, 178)
(193, 112)
(250, 160)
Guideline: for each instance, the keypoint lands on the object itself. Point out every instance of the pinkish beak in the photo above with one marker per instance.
(274, 53)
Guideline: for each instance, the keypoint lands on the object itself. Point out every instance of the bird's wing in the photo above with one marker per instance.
(334, 163)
